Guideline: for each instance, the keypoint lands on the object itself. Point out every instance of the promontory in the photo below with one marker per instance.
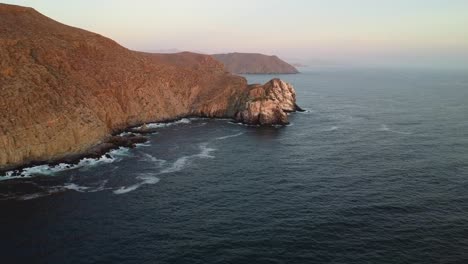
(64, 90)
(254, 63)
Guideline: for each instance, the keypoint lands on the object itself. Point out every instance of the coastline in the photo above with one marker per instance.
(96, 151)
(134, 136)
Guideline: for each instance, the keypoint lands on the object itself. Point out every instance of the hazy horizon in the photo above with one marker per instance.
(418, 33)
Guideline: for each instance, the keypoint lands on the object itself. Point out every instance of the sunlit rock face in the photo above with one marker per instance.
(268, 104)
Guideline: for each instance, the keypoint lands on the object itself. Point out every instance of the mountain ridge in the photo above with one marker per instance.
(254, 63)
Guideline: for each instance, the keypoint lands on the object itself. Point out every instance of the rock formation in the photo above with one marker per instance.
(254, 63)
(268, 104)
(65, 91)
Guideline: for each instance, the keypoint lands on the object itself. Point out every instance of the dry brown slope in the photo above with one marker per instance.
(241, 63)
(64, 90)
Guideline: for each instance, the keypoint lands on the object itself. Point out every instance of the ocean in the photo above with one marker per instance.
(375, 171)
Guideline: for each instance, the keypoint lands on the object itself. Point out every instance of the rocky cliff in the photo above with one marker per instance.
(65, 90)
(253, 63)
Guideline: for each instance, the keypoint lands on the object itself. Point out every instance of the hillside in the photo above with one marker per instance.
(64, 90)
(254, 63)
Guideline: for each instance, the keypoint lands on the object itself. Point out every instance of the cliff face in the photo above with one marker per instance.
(242, 63)
(268, 104)
(64, 90)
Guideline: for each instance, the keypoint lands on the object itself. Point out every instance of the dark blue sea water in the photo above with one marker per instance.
(375, 172)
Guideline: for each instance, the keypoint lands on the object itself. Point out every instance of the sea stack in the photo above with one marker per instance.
(64, 91)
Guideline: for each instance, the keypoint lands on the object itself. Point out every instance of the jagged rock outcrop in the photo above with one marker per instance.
(268, 104)
(254, 63)
(64, 91)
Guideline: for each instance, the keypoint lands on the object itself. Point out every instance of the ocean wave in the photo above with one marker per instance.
(161, 125)
(50, 170)
(145, 180)
(333, 128)
(75, 187)
(85, 189)
(385, 128)
(143, 145)
(178, 165)
(242, 124)
(32, 196)
(182, 162)
(229, 136)
(50, 190)
(152, 159)
(306, 111)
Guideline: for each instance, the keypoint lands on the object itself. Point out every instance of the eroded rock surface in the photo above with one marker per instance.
(64, 91)
(268, 104)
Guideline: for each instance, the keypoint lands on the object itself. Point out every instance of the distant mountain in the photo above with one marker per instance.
(254, 63)
(173, 50)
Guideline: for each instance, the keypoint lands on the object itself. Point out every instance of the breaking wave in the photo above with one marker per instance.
(112, 156)
(160, 125)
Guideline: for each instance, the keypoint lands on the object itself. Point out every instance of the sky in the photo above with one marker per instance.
(392, 32)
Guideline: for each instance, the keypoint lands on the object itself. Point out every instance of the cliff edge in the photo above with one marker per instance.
(64, 90)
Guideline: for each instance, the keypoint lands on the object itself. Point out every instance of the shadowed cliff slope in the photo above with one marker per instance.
(64, 90)
(254, 63)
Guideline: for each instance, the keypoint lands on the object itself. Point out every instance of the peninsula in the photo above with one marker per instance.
(254, 63)
(65, 91)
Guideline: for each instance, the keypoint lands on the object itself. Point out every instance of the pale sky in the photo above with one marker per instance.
(364, 31)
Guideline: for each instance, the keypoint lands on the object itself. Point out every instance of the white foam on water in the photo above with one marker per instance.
(151, 158)
(146, 179)
(178, 165)
(160, 125)
(385, 128)
(205, 151)
(248, 125)
(242, 124)
(182, 162)
(333, 128)
(229, 136)
(124, 134)
(33, 196)
(306, 111)
(141, 145)
(75, 187)
(85, 189)
(123, 190)
(50, 170)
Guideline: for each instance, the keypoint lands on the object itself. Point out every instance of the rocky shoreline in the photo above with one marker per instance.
(101, 150)
(126, 138)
